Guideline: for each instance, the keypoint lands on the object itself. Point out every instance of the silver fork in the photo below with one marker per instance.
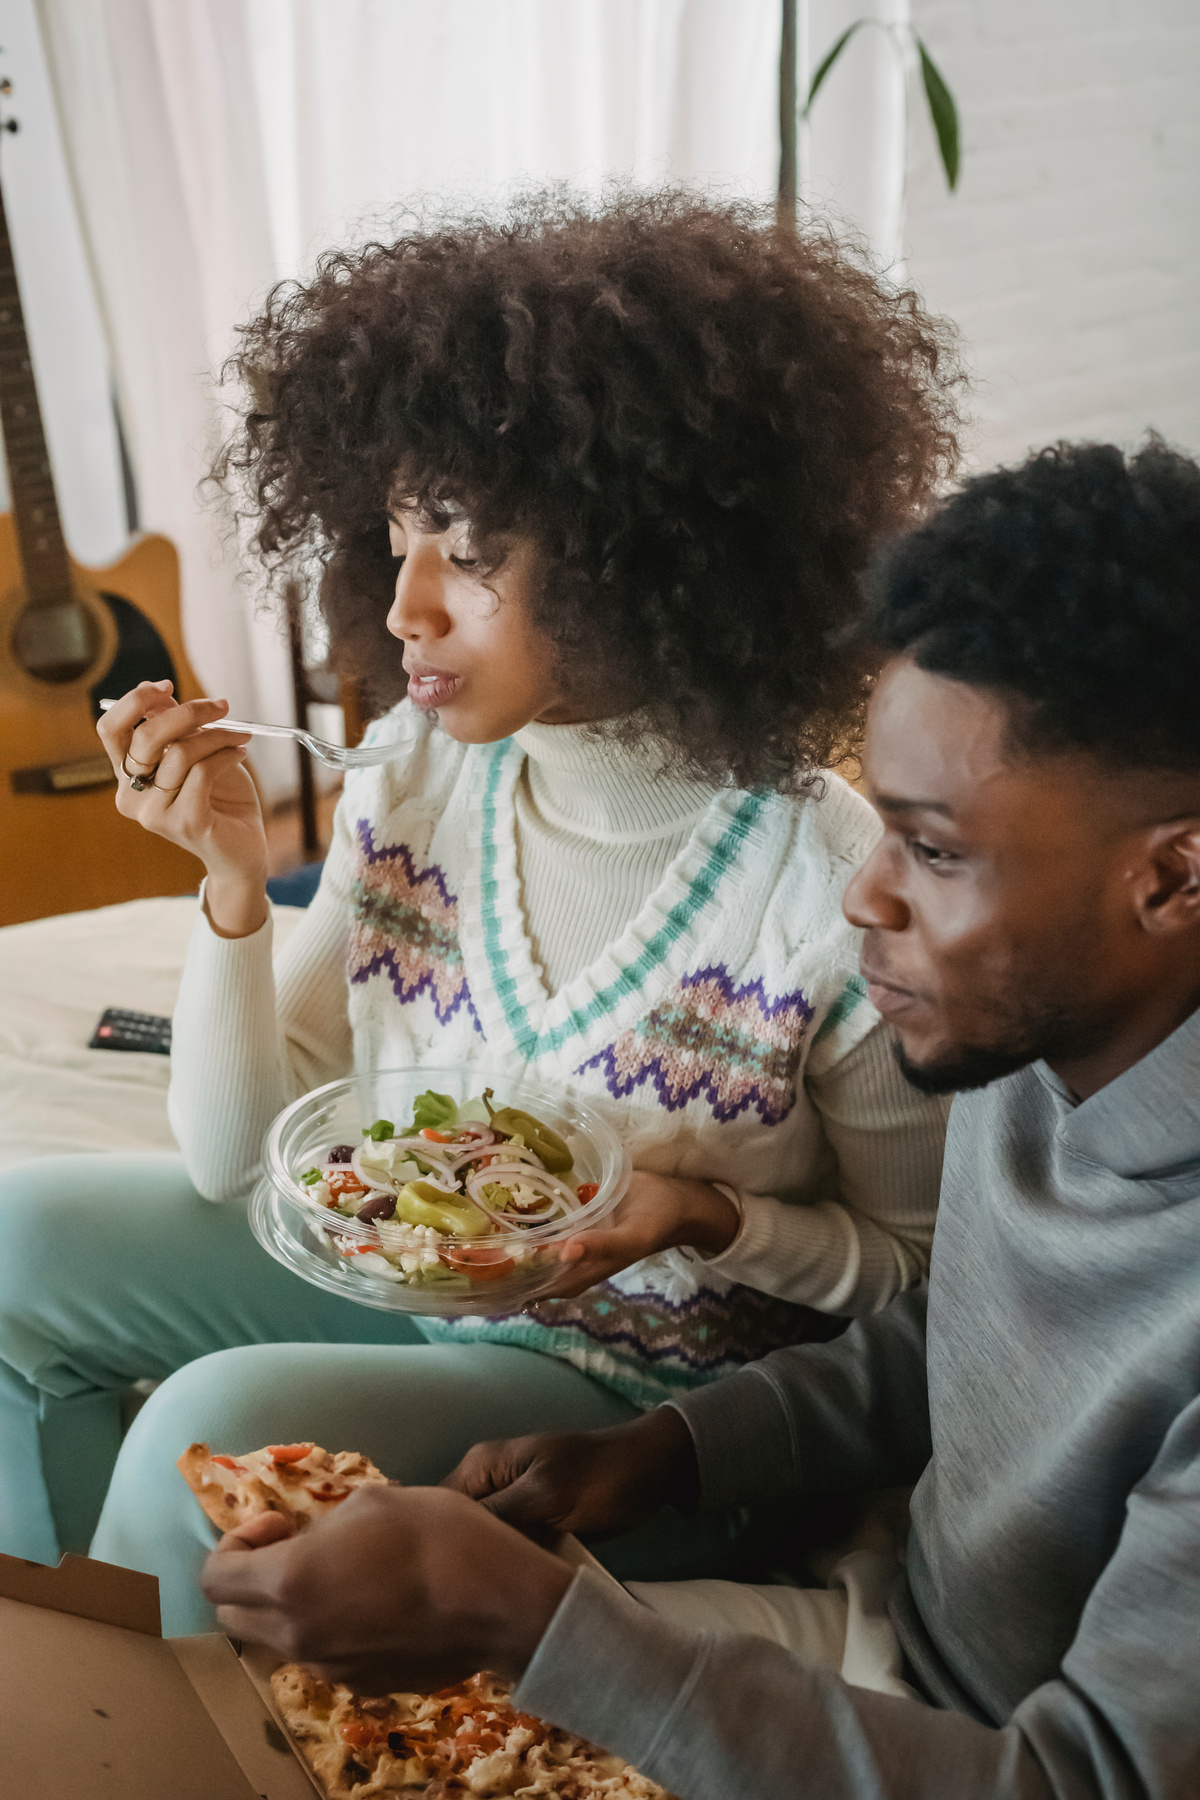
(365, 757)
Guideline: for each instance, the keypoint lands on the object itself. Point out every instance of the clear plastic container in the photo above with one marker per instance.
(302, 1234)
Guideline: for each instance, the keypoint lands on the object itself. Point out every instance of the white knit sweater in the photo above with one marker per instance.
(555, 904)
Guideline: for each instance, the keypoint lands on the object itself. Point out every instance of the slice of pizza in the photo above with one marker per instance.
(301, 1481)
(467, 1739)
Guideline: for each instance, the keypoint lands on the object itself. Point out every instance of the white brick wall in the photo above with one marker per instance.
(1070, 255)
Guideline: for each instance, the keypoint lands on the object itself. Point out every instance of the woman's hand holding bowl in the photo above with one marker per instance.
(657, 1212)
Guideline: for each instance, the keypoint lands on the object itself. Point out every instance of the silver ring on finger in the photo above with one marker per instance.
(138, 783)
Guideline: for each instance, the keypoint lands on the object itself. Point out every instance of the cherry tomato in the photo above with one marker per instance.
(481, 1262)
(227, 1462)
(341, 1184)
(587, 1190)
(288, 1453)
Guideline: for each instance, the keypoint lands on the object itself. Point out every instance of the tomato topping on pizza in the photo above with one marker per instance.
(467, 1739)
(300, 1481)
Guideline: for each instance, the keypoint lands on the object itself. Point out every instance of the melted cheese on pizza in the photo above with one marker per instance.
(466, 1739)
(301, 1481)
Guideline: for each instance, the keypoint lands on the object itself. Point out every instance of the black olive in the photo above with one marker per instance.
(379, 1206)
(398, 1744)
(341, 1153)
(353, 1771)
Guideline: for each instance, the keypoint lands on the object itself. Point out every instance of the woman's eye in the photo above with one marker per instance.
(465, 562)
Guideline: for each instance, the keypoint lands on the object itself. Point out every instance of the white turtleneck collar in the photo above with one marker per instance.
(611, 793)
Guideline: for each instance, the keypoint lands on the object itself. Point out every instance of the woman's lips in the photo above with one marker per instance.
(430, 688)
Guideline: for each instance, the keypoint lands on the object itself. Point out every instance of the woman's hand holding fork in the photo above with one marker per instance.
(191, 786)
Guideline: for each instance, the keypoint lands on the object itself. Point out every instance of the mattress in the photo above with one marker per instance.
(57, 975)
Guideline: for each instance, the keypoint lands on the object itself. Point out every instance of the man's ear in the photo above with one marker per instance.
(1166, 887)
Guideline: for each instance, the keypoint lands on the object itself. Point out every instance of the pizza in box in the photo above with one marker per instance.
(464, 1740)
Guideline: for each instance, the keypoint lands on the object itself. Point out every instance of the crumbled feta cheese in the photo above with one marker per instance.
(493, 1773)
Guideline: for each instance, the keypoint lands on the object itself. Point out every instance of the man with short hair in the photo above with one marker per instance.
(1031, 920)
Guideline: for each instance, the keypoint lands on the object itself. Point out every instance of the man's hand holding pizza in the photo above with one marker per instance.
(415, 1588)
(399, 1589)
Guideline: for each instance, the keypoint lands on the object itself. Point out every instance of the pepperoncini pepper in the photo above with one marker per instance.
(420, 1203)
(536, 1137)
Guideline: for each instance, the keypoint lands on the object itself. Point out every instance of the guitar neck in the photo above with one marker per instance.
(40, 540)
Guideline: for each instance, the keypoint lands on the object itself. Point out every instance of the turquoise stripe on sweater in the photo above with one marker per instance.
(632, 979)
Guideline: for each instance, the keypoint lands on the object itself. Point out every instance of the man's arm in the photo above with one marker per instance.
(853, 1413)
(738, 1718)
(820, 1417)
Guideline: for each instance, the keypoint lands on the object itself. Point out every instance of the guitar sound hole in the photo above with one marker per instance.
(56, 643)
(141, 653)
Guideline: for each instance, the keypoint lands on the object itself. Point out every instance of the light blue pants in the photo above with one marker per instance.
(113, 1269)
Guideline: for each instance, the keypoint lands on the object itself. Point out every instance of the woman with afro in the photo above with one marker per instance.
(591, 488)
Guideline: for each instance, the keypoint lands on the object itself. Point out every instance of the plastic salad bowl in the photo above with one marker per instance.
(496, 1272)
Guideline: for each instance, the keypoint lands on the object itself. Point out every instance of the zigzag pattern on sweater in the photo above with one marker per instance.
(406, 924)
(645, 1346)
(733, 1045)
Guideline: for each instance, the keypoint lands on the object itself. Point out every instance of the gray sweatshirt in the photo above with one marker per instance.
(1051, 1608)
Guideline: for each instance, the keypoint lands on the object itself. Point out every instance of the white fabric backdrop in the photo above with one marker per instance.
(218, 144)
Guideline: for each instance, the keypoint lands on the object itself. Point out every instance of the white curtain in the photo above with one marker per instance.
(216, 145)
(367, 102)
(159, 115)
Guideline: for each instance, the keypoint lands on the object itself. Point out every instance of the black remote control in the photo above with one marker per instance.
(120, 1030)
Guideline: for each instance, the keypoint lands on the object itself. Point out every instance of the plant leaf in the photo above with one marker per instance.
(943, 112)
(828, 61)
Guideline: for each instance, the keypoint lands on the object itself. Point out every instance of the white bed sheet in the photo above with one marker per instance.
(56, 977)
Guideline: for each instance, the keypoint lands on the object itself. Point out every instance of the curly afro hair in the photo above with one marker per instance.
(708, 423)
(1073, 582)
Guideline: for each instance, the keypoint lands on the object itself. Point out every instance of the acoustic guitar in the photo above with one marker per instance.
(67, 635)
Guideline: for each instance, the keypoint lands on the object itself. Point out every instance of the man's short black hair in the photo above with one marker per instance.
(1073, 581)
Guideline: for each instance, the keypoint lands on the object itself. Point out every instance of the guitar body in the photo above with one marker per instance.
(65, 846)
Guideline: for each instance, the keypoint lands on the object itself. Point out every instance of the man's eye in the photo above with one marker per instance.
(465, 562)
(930, 854)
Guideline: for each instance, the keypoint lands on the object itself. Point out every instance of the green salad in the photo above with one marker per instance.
(449, 1196)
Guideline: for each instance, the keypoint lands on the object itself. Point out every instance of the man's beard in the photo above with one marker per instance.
(1047, 1035)
(965, 1068)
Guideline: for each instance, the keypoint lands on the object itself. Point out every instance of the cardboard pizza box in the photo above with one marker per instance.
(98, 1704)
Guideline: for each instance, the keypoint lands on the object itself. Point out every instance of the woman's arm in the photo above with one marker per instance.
(248, 1038)
(853, 1252)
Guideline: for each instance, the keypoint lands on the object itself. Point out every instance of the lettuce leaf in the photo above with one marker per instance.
(433, 1112)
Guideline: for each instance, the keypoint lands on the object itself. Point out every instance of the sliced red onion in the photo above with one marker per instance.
(380, 1184)
(443, 1179)
(427, 1151)
(507, 1220)
(558, 1195)
(535, 1174)
(478, 1135)
(497, 1148)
